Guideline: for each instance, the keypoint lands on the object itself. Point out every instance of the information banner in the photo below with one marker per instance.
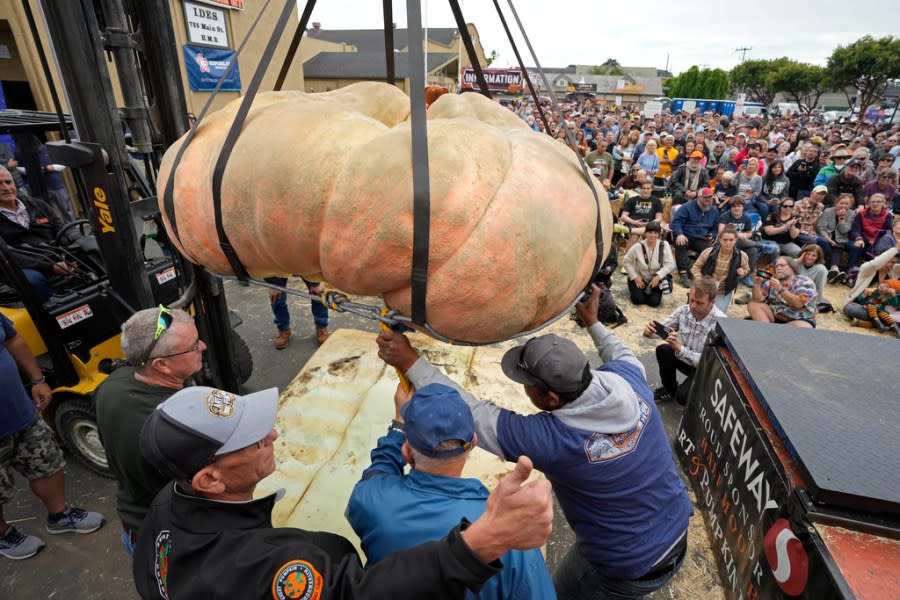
(205, 25)
(498, 80)
(763, 544)
(206, 65)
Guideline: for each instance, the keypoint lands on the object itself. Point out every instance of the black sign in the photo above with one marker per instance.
(498, 80)
(763, 544)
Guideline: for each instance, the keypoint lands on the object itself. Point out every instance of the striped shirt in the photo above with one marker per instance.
(693, 333)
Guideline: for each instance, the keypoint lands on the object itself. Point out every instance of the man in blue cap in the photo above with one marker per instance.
(601, 443)
(434, 433)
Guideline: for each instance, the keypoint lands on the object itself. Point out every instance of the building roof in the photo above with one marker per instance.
(366, 65)
(371, 40)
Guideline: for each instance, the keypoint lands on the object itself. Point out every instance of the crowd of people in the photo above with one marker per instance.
(781, 207)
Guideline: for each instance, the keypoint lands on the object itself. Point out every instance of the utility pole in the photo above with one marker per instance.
(743, 50)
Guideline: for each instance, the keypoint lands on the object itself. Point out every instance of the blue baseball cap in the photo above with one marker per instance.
(437, 413)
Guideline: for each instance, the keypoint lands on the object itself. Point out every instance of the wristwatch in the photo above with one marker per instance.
(396, 426)
(43, 379)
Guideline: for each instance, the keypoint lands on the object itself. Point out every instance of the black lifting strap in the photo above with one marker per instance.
(470, 47)
(169, 192)
(218, 172)
(295, 43)
(388, 10)
(421, 184)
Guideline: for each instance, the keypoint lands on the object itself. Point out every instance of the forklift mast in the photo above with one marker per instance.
(138, 35)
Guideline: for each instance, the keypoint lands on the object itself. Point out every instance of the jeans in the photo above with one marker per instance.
(853, 254)
(758, 206)
(669, 366)
(39, 283)
(723, 301)
(682, 260)
(283, 315)
(576, 579)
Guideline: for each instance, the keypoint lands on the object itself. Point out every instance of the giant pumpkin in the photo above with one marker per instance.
(320, 185)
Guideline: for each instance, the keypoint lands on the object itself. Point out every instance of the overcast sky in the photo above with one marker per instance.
(646, 33)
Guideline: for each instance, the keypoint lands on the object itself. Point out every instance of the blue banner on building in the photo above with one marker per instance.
(206, 65)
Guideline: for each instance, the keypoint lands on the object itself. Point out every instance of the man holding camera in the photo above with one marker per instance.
(684, 333)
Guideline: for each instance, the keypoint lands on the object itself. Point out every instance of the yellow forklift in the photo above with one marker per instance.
(113, 159)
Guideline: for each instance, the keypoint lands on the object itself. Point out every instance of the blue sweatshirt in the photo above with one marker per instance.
(694, 223)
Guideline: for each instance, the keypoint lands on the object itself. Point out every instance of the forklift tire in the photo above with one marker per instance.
(243, 359)
(76, 425)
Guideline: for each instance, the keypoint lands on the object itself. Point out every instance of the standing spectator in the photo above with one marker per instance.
(751, 150)
(695, 226)
(8, 160)
(688, 328)
(434, 433)
(647, 264)
(688, 179)
(833, 229)
(164, 349)
(278, 300)
(601, 163)
(781, 228)
(845, 182)
(56, 187)
(667, 155)
(725, 263)
(629, 509)
(788, 298)
(717, 158)
(648, 160)
(639, 211)
(27, 445)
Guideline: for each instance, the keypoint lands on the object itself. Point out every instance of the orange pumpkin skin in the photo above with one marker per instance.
(320, 185)
(433, 92)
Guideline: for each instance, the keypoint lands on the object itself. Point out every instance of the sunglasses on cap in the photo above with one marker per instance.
(163, 322)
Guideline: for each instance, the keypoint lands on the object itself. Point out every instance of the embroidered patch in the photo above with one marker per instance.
(220, 404)
(602, 447)
(297, 580)
(161, 568)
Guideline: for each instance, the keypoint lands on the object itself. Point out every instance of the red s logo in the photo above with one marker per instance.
(787, 558)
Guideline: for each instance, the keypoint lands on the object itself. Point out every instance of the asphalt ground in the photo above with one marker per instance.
(95, 567)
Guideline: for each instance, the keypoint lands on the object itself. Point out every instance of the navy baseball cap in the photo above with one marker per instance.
(549, 361)
(196, 424)
(437, 413)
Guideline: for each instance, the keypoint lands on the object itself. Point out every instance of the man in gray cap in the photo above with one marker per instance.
(600, 442)
(434, 433)
(205, 536)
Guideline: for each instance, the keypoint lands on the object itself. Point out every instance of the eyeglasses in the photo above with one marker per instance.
(884, 177)
(193, 348)
(163, 322)
(787, 206)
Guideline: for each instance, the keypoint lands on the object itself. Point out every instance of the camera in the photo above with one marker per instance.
(763, 274)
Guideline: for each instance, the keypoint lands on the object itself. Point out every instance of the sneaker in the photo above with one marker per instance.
(282, 339)
(661, 395)
(16, 545)
(835, 275)
(75, 520)
(743, 298)
(321, 334)
(685, 280)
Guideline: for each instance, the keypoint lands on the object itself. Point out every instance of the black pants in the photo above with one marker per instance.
(682, 260)
(669, 366)
(650, 297)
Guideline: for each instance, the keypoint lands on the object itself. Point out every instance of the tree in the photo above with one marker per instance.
(696, 83)
(752, 78)
(801, 82)
(866, 65)
(491, 58)
(609, 67)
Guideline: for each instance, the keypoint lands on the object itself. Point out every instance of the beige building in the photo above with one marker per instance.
(337, 58)
(200, 23)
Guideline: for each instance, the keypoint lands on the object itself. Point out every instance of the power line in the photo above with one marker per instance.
(743, 50)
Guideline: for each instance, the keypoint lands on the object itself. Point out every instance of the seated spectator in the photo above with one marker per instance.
(688, 328)
(775, 185)
(888, 240)
(647, 264)
(724, 190)
(747, 238)
(725, 263)
(808, 211)
(812, 264)
(781, 228)
(880, 269)
(803, 171)
(833, 231)
(882, 184)
(695, 226)
(731, 161)
(688, 179)
(633, 180)
(871, 223)
(638, 211)
(877, 301)
(434, 433)
(648, 161)
(846, 182)
(839, 158)
(718, 158)
(786, 298)
(749, 185)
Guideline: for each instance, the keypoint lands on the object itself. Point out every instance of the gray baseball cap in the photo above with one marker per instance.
(196, 424)
(549, 361)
